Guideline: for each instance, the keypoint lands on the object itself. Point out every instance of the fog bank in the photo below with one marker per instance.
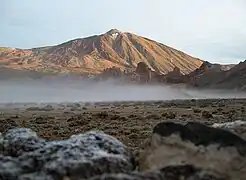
(74, 91)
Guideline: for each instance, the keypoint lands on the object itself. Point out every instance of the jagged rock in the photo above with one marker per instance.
(142, 68)
(193, 143)
(174, 76)
(112, 72)
(81, 156)
(144, 72)
(184, 172)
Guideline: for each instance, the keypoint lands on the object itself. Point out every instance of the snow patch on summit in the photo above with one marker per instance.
(115, 35)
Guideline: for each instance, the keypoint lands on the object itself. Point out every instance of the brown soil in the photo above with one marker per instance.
(130, 122)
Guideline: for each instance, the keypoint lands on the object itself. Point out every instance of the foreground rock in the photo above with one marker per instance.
(208, 148)
(93, 155)
(238, 127)
(179, 172)
(189, 152)
(26, 156)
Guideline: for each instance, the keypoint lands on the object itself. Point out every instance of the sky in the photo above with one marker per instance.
(212, 30)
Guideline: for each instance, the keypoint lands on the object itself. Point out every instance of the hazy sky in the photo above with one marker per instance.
(213, 30)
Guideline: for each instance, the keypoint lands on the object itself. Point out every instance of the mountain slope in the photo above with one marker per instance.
(96, 53)
(226, 77)
(234, 78)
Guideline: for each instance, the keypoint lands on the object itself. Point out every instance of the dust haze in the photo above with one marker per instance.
(83, 91)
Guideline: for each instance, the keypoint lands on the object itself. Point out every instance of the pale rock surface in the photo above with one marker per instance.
(208, 148)
(26, 156)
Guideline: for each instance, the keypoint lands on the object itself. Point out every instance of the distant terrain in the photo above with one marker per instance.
(119, 55)
(234, 78)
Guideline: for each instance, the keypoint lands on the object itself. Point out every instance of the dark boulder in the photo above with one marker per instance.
(200, 134)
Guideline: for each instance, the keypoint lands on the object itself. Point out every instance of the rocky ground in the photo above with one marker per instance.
(132, 123)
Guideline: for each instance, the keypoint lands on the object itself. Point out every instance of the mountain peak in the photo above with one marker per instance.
(114, 33)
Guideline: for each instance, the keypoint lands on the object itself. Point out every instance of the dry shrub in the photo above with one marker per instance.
(206, 114)
(197, 110)
(169, 115)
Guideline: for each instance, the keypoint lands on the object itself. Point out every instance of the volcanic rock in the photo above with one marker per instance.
(209, 148)
(26, 156)
(19, 141)
(144, 72)
(113, 72)
(184, 172)
(175, 76)
(238, 127)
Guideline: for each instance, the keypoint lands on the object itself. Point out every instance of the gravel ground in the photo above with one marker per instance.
(130, 122)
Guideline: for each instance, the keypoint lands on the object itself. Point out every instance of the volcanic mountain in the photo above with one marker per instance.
(94, 54)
